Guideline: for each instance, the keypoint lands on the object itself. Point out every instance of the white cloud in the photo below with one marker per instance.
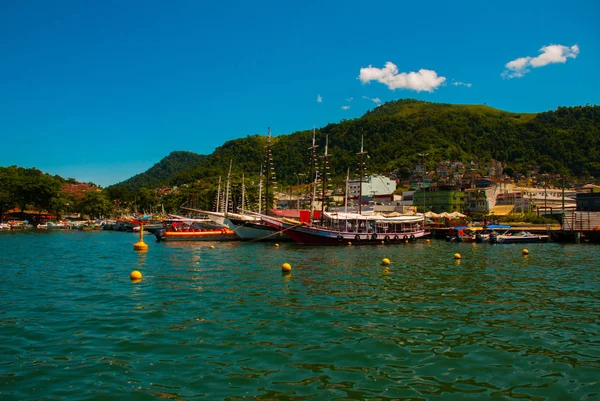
(423, 80)
(458, 83)
(346, 107)
(550, 55)
(319, 99)
(375, 100)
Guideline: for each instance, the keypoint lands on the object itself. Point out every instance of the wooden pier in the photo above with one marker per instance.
(577, 227)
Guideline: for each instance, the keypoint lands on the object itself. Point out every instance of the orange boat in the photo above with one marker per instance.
(196, 234)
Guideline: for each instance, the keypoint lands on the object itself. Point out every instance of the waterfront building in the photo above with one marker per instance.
(589, 201)
(440, 199)
(372, 186)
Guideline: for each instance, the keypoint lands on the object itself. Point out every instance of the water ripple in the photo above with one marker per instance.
(224, 323)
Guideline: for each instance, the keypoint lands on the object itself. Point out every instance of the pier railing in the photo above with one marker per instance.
(580, 221)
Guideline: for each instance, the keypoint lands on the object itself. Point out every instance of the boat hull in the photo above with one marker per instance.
(255, 230)
(213, 235)
(523, 238)
(311, 235)
(306, 236)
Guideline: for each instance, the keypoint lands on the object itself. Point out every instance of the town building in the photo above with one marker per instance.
(440, 199)
(372, 186)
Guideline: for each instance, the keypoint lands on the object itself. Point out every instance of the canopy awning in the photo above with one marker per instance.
(501, 210)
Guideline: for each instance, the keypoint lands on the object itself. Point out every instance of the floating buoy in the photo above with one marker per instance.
(135, 275)
(427, 241)
(212, 247)
(286, 267)
(382, 242)
(141, 246)
(525, 252)
(349, 243)
(457, 256)
(276, 245)
(385, 262)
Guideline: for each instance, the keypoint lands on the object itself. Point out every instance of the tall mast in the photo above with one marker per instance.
(361, 154)
(218, 195)
(260, 184)
(324, 176)
(243, 193)
(227, 191)
(268, 173)
(347, 187)
(313, 173)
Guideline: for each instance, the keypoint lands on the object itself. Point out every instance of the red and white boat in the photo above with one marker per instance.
(341, 228)
(185, 229)
(196, 234)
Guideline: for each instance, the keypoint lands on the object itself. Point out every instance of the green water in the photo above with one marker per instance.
(225, 323)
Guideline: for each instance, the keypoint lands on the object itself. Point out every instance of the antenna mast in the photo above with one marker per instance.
(361, 154)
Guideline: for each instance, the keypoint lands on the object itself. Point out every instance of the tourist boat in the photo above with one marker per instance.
(183, 229)
(522, 237)
(342, 228)
(469, 234)
(195, 234)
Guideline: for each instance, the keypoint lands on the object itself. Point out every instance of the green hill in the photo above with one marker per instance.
(163, 172)
(564, 140)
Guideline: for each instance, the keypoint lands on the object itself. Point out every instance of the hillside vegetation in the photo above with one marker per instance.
(566, 140)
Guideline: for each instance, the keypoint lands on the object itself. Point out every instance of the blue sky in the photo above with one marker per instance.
(102, 90)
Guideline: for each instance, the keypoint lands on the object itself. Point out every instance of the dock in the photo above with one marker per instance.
(557, 233)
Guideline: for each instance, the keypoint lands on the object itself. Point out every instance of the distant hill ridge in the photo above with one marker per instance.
(395, 133)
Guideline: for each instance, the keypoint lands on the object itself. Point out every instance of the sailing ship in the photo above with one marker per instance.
(248, 226)
(340, 228)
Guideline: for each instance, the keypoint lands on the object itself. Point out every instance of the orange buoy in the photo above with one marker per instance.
(135, 275)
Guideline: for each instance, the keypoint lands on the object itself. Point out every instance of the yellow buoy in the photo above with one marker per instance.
(382, 242)
(286, 267)
(457, 256)
(212, 247)
(427, 241)
(135, 275)
(525, 252)
(141, 245)
(276, 245)
(349, 243)
(385, 262)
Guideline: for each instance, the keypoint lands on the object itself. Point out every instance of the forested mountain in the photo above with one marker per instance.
(565, 140)
(165, 171)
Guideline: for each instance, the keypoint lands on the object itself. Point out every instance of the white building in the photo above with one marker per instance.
(371, 186)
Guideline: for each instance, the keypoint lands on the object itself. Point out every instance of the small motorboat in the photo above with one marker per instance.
(522, 237)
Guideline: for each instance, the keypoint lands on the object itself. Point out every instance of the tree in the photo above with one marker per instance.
(95, 204)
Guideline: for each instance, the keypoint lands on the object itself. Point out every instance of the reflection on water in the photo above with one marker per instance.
(225, 322)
